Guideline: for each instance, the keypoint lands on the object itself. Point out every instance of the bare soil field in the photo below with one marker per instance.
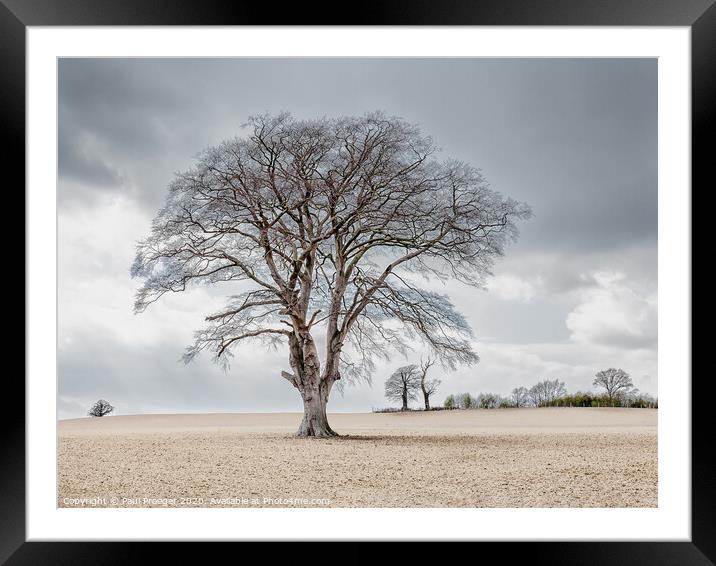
(547, 457)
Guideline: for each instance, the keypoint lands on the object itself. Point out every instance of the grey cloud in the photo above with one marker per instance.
(80, 162)
(576, 138)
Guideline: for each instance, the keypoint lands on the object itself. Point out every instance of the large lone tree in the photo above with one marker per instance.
(327, 224)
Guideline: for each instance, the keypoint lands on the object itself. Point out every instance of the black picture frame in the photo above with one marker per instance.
(699, 15)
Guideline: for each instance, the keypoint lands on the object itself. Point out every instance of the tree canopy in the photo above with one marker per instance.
(614, 381)
(100, 408)
(403, 385)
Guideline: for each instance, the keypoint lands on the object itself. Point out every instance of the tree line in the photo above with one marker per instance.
(617, 390)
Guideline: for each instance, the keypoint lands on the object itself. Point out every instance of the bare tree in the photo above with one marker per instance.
(100, 409)
(427, 386)
(520, 396)
(553, 390)
(327, 225)
(546, 391)
(488, 401)
(614, 381)
(629, 396)
(403, 385)
(536, 394)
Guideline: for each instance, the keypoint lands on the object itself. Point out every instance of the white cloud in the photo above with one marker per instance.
(614, 312)
(95, 291)
(509, 287)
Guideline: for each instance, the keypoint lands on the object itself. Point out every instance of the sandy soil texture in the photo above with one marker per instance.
(546, 457)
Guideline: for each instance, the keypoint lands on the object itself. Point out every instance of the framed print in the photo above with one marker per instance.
(421, 276)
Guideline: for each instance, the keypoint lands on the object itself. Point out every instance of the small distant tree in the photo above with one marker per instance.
(553, 390)
(546, 392)
(614, 381)
(644, 401)
(427, 386)
(536, 394)
(465, 401)
(627, 397)
(520, 397)
(100, 409)
(449, 402)
(403, 385)
(488, 401)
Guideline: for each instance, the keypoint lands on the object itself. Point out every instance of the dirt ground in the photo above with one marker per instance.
(549, 457)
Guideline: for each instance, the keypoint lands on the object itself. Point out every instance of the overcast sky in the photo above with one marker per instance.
(574, 138)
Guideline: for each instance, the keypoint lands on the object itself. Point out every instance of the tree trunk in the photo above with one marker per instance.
(315, 420)
(405, 402)
(313, 386)
(427, 401)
